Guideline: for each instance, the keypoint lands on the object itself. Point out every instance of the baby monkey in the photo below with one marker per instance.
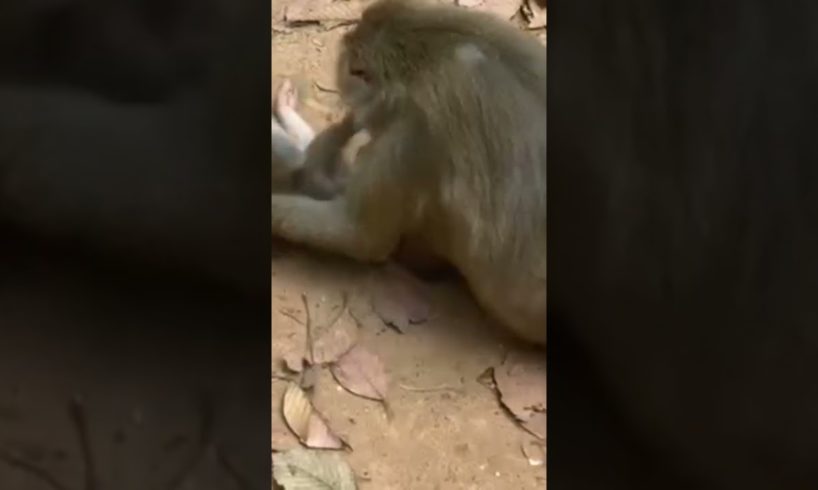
(304, 163)
(454, 102)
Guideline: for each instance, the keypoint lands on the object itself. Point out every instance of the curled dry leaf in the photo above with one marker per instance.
(397, 298)
(300, 469)
(362, 373)
(306, 423)
(521, 381)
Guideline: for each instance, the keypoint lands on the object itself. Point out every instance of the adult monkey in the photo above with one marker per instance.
(683, 245)
(134, 285)
(454, 101)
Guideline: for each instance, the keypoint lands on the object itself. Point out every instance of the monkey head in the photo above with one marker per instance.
(356, 87)
(374, 65)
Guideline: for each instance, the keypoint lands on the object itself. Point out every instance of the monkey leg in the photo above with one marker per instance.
(285, 150)
(331, 227)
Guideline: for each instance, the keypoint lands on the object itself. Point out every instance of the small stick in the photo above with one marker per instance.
(309, 326)
(291, 316)
(323, 88)
(442, 387)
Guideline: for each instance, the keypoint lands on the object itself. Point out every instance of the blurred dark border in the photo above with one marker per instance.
(683, 245)
(134, 244)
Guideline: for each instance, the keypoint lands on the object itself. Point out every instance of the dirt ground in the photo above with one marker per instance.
(445, 427)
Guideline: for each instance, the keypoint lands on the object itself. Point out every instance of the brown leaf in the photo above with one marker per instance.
(300, 469)
(521, 381)
(309, 377)
(335, 342)
(397, 298)
(360, 308)
(306, 423)
(294, 362)
(336, 336)
(362, 373)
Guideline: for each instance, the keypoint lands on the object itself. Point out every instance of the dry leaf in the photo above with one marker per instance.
(300, 469)
(294, 362)
(362, 373)
(282, 439)
(469, 3)
(360, 308)
(521, 381)
(335, 342)
(306, 423)
(398, 300)
(337, 333)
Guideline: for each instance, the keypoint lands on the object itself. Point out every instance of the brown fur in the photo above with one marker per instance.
(455, 103)
(325, 170)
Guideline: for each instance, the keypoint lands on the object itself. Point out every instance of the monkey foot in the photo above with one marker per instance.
(286, 98)
(291, 121)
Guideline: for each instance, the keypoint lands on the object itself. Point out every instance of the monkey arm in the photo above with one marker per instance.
(331, 226)
(324, 152)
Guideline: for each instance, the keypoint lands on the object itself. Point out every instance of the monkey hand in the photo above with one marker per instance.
(350, 125)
